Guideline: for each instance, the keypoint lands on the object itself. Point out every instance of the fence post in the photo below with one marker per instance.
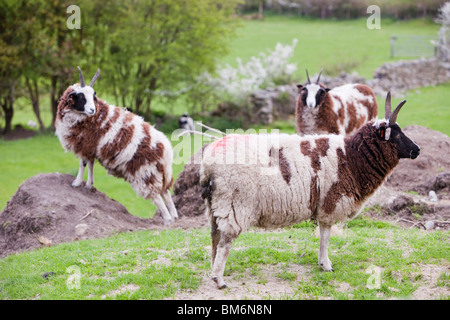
(392, 46)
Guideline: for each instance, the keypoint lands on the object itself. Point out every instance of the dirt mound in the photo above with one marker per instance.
(46, 210)
(187, 190)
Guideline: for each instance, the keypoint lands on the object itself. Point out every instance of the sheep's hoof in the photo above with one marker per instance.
(76, 184)
(220, 284)
(168, 222)
(89, 187)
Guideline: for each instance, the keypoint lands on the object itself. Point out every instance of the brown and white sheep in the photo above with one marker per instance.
(121, 141)
(341, 110)
(278, 180)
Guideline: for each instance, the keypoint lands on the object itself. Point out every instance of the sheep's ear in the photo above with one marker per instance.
(381, 133)
(327, 89)
(384, 133)
(299, 86)
(388, 133)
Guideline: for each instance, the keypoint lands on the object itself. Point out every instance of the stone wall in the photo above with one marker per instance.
(401, 76)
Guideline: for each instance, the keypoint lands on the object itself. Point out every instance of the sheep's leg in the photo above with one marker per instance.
(215, 237)
(223, 250)
(158, 201)
(167, 197)
(90, 179)
(325, 232)
(79, 179)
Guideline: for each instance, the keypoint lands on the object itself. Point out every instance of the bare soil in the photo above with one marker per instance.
(46, 211)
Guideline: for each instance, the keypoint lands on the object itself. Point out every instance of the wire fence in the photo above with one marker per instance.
(414, 46)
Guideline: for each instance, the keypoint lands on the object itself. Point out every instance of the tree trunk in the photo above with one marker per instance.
(8, 110)
(33, 91)
(54, 97)
(260, 10)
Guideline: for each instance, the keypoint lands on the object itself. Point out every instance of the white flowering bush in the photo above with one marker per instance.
(266, 70)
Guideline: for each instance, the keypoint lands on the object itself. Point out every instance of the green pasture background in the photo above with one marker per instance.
(334, 45)
(161, 263)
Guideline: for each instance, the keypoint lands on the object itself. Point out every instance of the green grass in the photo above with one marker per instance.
(329, 44)
(160, 264)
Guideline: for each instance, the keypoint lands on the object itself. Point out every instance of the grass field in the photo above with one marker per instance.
(160, 264)
(328, 44)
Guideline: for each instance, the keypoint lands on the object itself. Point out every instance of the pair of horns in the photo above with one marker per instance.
(318, 78)
(388, 114)
(92, 81)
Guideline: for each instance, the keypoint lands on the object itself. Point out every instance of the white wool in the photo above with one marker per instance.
(348, 94)
(260, 196)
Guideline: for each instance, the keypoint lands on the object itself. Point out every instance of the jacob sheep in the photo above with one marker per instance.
(295, 178)
(121, 141)
(185, 122)
(341, 110)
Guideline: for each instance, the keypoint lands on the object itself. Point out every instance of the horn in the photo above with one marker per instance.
(318, 78)
(387, 106)
(81, 78)
(309, 81)
(393, 116)
(94, 78)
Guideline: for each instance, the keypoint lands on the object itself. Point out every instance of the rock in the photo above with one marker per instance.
(402, 202)
(442, 181)
(429, 225)
(432, 196)
(80, 229)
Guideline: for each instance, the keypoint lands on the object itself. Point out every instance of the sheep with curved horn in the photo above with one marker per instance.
(122, 142)
(341, 110)
(290, 178)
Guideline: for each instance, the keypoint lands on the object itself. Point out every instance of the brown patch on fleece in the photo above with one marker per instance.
(372, 108)
(282, 162)
(363, 168)
(284, 167)
(344, 186)
(110, 150)
(314, 196)
(85, 135)
(355, 122)
(299, 114)
(327, 120)
(145, 154)
(322, 146)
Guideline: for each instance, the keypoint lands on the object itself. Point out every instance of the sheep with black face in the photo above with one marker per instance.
(278, 180)
(121, 141)
(341, 110)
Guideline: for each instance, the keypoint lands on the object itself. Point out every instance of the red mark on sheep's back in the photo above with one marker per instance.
(222, 143)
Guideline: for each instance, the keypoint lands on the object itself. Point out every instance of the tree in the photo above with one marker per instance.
(158, 48)
(10, 48)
